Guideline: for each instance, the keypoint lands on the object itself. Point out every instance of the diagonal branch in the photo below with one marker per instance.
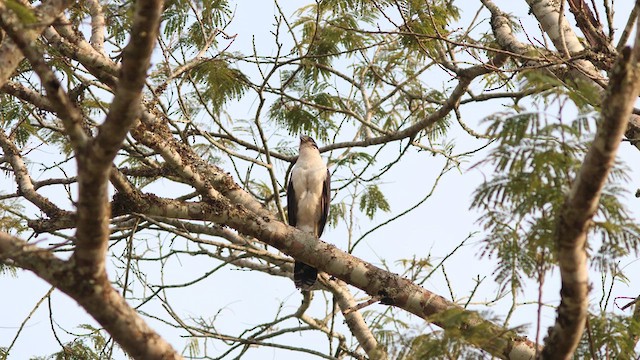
(582, 202)
(465, 78)
(590, 26)
(25, 184)
(354, 320)
(392, 288)
(100, 300)
(66, 110)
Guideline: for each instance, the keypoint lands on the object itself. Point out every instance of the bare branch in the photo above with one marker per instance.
(354, 319)
(25, 185)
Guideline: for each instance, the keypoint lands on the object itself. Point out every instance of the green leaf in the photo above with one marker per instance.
(535, 161)
(353, 158)
(372, 200)
(608, 334)
(221, 82)
(298, 119)
(337, 213)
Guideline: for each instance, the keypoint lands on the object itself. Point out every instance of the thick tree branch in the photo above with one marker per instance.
(99, 299)
(97, 25)
(562, 35)
(582, 203)
(393, 289)
(75, 47)
(208, 179)
(27, 94)
(590, 26)
(45, 14)
(94, 164)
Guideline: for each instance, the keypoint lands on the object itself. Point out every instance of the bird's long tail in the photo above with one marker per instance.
(304, 276)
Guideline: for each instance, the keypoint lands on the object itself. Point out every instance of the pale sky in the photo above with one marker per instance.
(242, 299)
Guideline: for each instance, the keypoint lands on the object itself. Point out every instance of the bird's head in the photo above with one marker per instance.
(307, 141)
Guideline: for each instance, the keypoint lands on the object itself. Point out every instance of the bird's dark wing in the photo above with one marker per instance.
(292, 203)
(325, 202)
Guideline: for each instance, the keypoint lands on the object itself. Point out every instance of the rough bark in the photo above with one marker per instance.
(96, 296)
(83, 277)
(355, 321)
(94, 161)
(590, 26)
(393, 289)
(45, 14)
(582, 203)
(25, 183)
(562, 35)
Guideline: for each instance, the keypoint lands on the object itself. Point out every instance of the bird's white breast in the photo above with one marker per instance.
(308, 181)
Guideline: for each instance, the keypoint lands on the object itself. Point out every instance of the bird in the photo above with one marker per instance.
(308, 198)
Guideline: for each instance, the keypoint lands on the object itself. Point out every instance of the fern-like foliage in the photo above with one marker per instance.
(12, 113)
(325, 40)
(414, 343)
(178, 21)
(431, 20)
(313, 115)
(609, 336)
(220, 81)
(373, 200)
(535, 161)
(92, 346)
(119, 16)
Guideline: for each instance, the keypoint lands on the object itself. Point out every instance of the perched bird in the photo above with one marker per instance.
(308, 197)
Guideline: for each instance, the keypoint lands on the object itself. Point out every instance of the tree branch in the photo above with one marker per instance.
(395, 290)
(45, 14)
(66, 110)
(99, 299)
(582, 203)
(25, 184)
(354, 320)
(94, 164)
(590, 26)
